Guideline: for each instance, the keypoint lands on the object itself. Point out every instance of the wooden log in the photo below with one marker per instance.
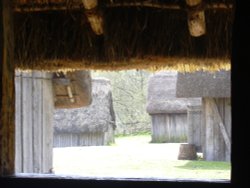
(196, 18)
(19, 7)
(89, 4)
(94, 16)
(7, 90)
(187, 152)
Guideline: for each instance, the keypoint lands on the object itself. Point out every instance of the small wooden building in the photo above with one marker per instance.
(215, 90)
(168, 113)
(87, 126)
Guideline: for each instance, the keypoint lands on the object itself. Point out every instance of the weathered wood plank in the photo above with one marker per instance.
(31, 108)
(18, 122)
(215, 148)
(220, 123)
(7, 90)
(47, 136)
(169, 127)
(37, 121)
(27, 132)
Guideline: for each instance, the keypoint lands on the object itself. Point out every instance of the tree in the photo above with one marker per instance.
(129, 98)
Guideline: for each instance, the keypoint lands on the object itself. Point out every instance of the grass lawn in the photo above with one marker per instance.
(135, 157)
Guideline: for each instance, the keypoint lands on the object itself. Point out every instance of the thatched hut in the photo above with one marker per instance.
(215, 90)
(88, 126)
(168, 113)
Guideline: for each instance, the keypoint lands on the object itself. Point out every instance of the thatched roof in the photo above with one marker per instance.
(95, 118)
(59, 34)
(162, 95)
(72, 89)
(204, 84)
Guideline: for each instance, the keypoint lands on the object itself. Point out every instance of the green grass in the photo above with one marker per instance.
(136, 157)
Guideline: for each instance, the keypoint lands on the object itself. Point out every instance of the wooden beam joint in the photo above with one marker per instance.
(196, 18)
(94, 16)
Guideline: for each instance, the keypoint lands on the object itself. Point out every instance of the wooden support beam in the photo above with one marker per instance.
(78, 6)
(221, 124)
(196, 18)
(7, 90)
(94, 16)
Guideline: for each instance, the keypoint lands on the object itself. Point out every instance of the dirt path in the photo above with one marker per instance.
(130, 158)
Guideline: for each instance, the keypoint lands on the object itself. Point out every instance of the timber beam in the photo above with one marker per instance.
(7, 92)
(196, 18)
(94, 16)
(78, 6)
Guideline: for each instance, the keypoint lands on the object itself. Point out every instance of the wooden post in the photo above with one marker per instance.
(194, 127)
(7, 91)
(94, 17)
(196, 18)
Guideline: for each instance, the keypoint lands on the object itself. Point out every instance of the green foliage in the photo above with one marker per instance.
(206, 165)
(129, 90)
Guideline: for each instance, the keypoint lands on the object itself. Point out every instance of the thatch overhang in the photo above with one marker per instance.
(204, 84)
(162, 95)
(72, 89)
(178, 106)
(58, 35)
(95, 118)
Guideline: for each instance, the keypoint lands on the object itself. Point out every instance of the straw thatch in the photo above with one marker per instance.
(162, 95)
(72, 89)
(204, 84)
(95, 118)
(52, 35)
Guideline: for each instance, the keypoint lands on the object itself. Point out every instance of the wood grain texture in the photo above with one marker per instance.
(34, 112)
(215, 147)
(7, 93)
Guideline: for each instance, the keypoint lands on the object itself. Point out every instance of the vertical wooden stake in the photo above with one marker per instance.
(7, 93)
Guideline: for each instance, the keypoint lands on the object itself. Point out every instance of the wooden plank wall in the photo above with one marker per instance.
(78, 139)
(34, 115)
(195, 131)
(214, 145)
(109, 135)
(169, 128)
